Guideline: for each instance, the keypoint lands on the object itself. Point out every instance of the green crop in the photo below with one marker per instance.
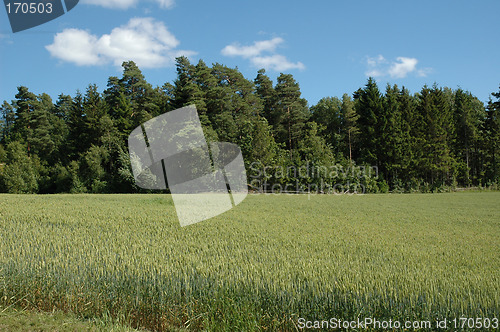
(261, 266)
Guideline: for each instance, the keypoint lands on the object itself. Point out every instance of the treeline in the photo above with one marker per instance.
(432, 140)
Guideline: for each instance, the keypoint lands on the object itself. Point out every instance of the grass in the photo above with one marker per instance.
(260, 266)
(28, 321)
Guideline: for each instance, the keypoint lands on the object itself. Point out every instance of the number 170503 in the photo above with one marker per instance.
(29, 8)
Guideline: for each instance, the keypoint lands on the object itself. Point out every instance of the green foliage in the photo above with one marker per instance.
(437, 163)
(265, 91)
(328, 114)
(290, 112)
(491, 141)
(383, 187)
(94, 161)
(21, 174)
(12, 319)
(436, 138)
(7, 119)
(313, 148)
(3, 154)
(369, 107)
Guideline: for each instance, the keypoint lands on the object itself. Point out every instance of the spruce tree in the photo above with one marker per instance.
(492, 140)
(369, 107)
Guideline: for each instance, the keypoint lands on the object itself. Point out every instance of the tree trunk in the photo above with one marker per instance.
(350, 150)
(289, 133)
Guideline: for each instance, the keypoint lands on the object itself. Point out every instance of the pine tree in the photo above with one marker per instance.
(140, 94)
(350, 129)
(7, 114)
(291, 112)
(265, 90)
(435, 137)
(206, 84)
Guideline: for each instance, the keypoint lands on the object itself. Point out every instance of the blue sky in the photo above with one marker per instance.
(330, 47)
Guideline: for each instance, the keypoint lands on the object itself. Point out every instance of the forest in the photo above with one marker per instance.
(434, 140)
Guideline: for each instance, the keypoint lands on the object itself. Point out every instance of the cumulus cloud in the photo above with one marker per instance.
(165, 3)
(276, 62)
(400, 68)
(375, 61)
(143, 40)
(254, 52)
(77, 46)
(125, 4)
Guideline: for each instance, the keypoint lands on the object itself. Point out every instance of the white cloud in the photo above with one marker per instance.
(403, 67)
(254, 52)
(125, 4)
(276, 62)
(165, 3)
(400, 68)
(118, 4)
(424, 72)
(143, 40)
(375, 61)
(77, 46)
